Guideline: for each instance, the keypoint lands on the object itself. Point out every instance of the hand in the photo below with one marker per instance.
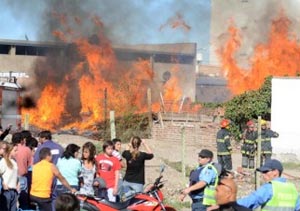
(143, 142)
(73, 190)
(115, 191)
(181, 197)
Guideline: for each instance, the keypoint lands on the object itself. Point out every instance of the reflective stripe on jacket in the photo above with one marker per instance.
(210, 189)
(223, 142)
(284, 197)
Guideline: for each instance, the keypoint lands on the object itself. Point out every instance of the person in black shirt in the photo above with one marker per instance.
(135, 159)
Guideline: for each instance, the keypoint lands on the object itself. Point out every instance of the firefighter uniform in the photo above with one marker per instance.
(248, 149)
(224, 148)
(266, 146)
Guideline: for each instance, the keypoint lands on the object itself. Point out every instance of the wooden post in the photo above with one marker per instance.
(258, 160)
(183, 151)
(105, 108)
(112, 125)
(149, 109)
(26, 122)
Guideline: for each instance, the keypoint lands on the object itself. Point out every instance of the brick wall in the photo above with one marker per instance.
(201, 133)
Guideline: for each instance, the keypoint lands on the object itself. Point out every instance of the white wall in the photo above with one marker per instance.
(285, 117)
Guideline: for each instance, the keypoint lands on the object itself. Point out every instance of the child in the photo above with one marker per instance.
(88, 168)
(108, 167)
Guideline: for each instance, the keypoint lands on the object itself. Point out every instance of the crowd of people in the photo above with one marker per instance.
(42, 173)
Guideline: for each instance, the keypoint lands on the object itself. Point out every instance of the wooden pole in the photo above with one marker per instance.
(112, 125)
(149, 100)
(183, 151)
(105, 109)
(26, 121)
(258, 158)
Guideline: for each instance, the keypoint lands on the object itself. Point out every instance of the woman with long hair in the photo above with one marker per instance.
(135, 160)
(9, 174)
(88, 170)
(69, 165)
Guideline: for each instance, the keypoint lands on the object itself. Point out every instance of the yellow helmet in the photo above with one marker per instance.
(263, 122)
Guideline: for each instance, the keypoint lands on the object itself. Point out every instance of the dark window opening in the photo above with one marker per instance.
(4, 49)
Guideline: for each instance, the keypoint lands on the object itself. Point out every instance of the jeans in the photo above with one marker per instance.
(43, 203)
(137, 187)
(23, 195)
(198, 206)
(8, 200)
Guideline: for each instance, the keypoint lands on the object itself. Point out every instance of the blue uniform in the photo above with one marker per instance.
(262, 196)
(56, 151)
(207, 175)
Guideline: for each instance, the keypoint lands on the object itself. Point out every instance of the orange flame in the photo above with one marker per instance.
(51, 107)
(102, 83)
(279, 57)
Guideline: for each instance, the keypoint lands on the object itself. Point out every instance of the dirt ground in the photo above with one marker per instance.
(171, 152)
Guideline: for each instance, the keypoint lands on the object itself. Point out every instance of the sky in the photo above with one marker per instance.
(125, 21)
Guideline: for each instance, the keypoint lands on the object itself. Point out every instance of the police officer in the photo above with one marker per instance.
(249, 145)
(266, 146)
(224, 148)
(276, 193)
(203, 181)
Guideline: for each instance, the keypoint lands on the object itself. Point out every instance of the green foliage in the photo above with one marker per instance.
(126, 126)
(249, 105)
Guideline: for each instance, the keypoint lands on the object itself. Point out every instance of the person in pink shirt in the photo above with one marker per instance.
(108, 168)
(23, 158)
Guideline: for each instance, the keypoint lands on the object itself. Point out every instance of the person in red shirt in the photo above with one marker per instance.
(108, 168)
(23, 158)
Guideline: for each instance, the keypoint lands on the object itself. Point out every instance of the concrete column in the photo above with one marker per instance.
(12, 50)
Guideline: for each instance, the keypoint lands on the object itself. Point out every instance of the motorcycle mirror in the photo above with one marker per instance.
(162, 168)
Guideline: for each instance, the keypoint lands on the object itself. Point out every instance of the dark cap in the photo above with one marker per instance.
(271, 164)
(206, 153)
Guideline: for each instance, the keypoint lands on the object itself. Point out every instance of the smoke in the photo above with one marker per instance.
(253, 18)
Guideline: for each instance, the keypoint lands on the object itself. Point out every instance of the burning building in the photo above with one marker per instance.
(71, 81)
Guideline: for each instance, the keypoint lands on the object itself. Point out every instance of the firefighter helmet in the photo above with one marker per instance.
(249, 123)
(225, 123)
(263, 122)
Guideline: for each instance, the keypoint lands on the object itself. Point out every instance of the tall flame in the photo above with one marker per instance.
(278, 57)
(101, 82)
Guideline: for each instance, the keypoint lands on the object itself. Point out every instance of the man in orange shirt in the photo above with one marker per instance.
(43, 173)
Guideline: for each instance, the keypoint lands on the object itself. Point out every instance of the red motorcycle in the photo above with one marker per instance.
(150, 200)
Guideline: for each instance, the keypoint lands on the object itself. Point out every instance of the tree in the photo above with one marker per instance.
(249, 105)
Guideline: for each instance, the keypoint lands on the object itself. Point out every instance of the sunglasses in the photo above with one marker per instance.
(264, 172)
(202, 157)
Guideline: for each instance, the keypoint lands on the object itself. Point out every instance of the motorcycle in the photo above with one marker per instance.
(149, 200)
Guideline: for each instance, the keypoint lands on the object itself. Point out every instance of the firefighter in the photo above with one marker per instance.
(224, 148)
(266, 146)
(249, 145)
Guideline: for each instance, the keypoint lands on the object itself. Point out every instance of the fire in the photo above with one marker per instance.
(101, 83)
(278, 57)
(51, 106)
